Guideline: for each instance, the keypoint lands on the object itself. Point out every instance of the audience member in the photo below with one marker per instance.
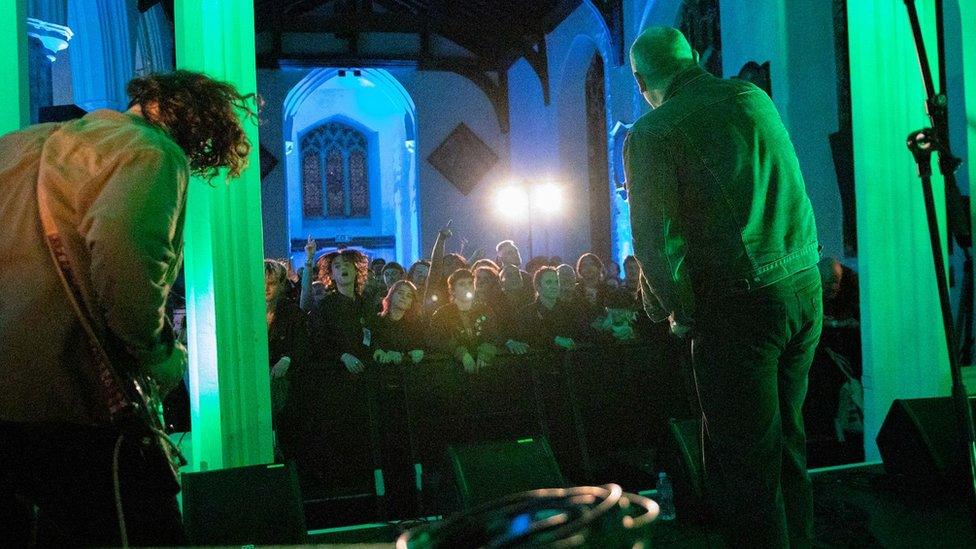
(485, 263)
(841, 295)
(517, 293)
(392, 272)
(567, 282)
(435, 290)
(535, 264)
(376, 266)
(593, 298)
(312, 287)
(287, 332)
(613, 275)
(631, 282)
(508, 254)
(463, 328)
(547, 321)
(397, 331)
(337, 324)
(418, 273)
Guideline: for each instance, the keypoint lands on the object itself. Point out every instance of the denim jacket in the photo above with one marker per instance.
(717, 200)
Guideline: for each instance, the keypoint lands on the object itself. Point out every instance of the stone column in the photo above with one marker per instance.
(229, 384)
(902, 336)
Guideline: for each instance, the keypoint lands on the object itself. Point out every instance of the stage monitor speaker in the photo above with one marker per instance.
(59, 113)
(683, 463)
(919, 441)
(490, 470)
(260, 504)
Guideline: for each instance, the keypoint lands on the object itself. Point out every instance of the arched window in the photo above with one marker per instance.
(335, 177)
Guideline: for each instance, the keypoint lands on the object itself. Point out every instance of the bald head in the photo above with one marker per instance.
(656, 56)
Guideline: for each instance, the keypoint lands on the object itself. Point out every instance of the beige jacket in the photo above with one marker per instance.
(119, 190)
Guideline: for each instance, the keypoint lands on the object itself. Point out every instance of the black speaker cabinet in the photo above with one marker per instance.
(490, 470)
(919, 441)
(254, 505)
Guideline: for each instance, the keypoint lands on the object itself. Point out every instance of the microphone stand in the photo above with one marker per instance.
(922, 143)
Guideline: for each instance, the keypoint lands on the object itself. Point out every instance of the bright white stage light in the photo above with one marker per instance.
(512, 201)
(547, 198)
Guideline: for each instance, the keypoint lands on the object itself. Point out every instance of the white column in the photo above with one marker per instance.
(14, 94)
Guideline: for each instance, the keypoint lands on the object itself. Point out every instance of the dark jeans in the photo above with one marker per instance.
(752, 355)
(66, 472)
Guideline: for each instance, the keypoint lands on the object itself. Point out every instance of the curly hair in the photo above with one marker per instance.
(356, 257)
(201, 115)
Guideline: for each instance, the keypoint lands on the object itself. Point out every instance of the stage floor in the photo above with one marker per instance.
(854, 506)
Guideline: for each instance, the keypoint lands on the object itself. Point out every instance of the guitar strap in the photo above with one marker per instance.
(104, 376)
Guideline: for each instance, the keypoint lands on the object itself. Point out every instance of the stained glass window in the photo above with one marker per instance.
(335, 166)
(311, 185)
(335, 192)
(358, 185)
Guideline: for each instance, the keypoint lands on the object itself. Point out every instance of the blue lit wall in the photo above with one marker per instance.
(376, 104)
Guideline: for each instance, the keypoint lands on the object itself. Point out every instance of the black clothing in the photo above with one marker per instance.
(539, 325)
(847, 303)
(752, 356)
(450, 329)
(66, 470)
(337, 326)
(590, 306)
(288, 335)
(406, 334)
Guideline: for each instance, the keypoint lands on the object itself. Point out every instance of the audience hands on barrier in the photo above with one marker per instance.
(469, 363)
(353, 364)
(566, 343)
(516, 347)
(280, 368)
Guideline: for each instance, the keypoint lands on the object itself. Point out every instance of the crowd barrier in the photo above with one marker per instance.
(386, 431)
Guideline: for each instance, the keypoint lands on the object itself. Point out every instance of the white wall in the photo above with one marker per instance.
(443, 100)
(549, 141)
(804, 87)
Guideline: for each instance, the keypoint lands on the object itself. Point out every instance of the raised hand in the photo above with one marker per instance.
(310, 249)
(446, 231)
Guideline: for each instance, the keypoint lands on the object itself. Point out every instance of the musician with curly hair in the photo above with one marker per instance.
(100, 199)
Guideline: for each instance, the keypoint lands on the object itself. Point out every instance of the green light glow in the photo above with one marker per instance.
(229, 389)
(967, 12)
(14, 98)
(903, 341)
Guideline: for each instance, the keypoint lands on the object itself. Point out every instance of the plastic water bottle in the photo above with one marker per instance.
(665, 496)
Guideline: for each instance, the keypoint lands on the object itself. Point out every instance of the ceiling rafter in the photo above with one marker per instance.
(496, 33)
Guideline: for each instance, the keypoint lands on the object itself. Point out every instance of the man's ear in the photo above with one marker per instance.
(641, 85)
(695, 56)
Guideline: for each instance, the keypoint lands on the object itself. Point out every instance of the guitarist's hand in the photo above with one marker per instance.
(169, 372)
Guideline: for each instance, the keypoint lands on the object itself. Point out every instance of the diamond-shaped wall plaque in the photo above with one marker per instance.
(463, 158)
